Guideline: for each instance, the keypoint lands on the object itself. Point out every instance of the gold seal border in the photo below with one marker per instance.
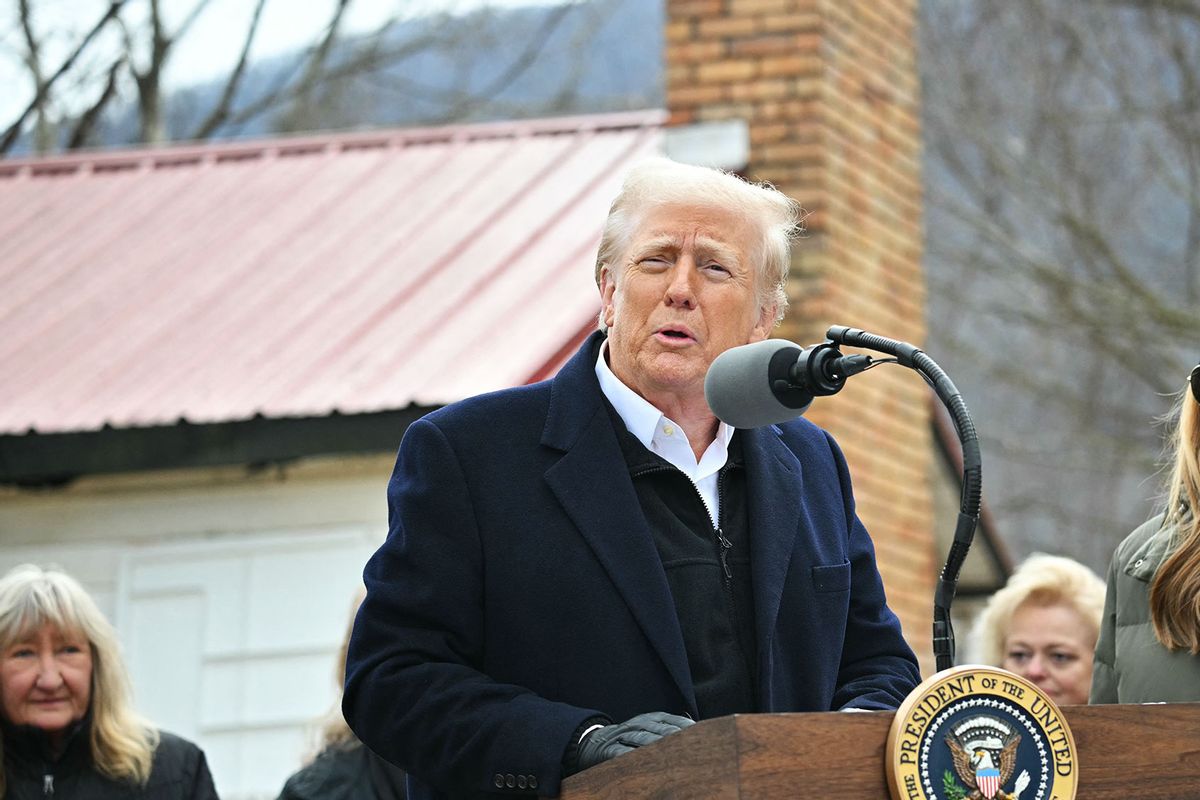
(973, 680)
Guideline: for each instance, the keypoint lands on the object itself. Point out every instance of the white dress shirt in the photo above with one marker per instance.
(664, 436)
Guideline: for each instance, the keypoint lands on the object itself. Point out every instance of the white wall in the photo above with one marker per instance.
(231, 593)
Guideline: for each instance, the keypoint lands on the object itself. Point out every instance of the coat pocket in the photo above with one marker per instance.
(831, 577)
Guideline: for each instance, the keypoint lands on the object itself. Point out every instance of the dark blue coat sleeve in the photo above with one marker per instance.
(415, 688)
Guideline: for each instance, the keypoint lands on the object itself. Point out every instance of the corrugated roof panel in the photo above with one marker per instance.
(474, 273)
(250, 289)
(438, 263)
(298, 277)
(539, 287)
(178, 260)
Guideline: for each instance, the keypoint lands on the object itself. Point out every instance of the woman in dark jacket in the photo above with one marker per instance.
(67, 728)
(1149, 646)
(345, 769)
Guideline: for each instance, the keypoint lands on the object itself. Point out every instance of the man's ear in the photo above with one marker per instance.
(766, 321)
(608, 287)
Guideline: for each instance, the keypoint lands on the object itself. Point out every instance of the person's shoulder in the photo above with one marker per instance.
(180, 761)
(530, 403)
(801, 427)
(1138, 538)
(338, 771)
(799, 433)
(487, 411)
(172, 745)
(176, 754)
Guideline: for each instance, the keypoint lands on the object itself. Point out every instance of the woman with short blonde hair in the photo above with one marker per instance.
(67, 724)
(1043, 626)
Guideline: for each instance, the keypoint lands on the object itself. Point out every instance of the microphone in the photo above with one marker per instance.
(772, 381)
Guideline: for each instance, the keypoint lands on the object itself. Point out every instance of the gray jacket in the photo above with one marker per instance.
(1131, 665)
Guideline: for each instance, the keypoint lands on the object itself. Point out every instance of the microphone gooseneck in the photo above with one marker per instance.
(972, 477)
(773, 381)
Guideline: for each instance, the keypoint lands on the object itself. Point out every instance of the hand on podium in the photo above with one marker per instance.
(603, 742)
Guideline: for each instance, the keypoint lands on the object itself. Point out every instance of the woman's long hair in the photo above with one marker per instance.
(335, 732)
(1175, 591)
(122, 743)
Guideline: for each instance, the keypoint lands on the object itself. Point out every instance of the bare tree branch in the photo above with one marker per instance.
(1063, 224)
(220, 112)
(189, 20)
(299, 116)
(14, 130)
(330, 81)
(33, 58)
(1182, 8)
(516, 69)
(149, 79)
(285, 88)
(87, 122)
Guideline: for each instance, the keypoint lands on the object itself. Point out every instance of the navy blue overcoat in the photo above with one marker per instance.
(519, 591)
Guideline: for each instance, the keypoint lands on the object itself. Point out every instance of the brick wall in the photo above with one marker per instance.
(829, 90)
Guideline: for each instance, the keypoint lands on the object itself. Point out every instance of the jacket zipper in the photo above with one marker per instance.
(47, 785)
(723, 545)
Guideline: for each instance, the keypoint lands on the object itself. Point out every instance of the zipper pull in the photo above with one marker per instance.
(47, 785)
(726, 546)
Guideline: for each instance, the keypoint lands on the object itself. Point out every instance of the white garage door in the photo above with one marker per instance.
(234, 645)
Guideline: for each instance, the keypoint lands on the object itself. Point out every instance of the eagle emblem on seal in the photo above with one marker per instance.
(984, 751)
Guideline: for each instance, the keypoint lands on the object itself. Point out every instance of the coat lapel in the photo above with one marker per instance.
(592, 483)
(776, 508)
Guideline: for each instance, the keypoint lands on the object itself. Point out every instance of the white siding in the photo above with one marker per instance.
(231, 594)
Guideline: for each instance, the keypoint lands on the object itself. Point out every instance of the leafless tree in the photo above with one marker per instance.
(1063, 175)
(121, 61)
(43, 85)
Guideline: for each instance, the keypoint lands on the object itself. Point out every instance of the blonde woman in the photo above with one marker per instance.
(1149, 648)
(66, 725)
(1043, 626)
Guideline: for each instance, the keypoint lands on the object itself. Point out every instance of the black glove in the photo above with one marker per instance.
(610, 741)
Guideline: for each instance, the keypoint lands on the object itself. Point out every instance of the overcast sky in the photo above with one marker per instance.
(211, 47)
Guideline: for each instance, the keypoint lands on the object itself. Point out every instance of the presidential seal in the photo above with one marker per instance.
(980, 733)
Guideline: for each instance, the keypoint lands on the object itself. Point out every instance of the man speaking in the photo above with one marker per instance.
(582, 566)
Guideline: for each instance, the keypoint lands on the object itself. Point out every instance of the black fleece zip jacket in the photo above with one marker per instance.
(33, 772)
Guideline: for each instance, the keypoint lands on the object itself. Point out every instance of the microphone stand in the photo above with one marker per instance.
(972, 488)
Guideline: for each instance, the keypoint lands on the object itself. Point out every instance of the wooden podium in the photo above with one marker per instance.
(1142, 752)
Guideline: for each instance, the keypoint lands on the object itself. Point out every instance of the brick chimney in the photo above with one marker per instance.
(829, 95)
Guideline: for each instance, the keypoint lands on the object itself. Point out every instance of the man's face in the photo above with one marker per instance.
(682, 293)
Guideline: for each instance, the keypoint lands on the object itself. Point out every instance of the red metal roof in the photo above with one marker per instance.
(298, 277)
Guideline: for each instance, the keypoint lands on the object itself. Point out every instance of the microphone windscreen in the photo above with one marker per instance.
(740, 385)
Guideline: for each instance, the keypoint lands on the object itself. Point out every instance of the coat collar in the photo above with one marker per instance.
(1143, 563)
(575, 397)
(30, 746)
(607, 512)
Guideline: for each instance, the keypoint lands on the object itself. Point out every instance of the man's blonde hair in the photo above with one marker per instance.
(657, 182)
